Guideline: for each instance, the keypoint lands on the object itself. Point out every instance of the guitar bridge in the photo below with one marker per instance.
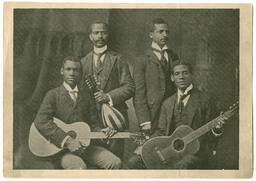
(160, 155)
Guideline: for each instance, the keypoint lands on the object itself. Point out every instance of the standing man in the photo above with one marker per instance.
(112, 73)
(70, 104)
(152, 77)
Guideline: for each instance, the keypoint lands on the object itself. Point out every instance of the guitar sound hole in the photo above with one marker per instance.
(178, 144)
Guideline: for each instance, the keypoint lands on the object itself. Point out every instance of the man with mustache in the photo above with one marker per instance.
(152, 73)
(116, 84)
(151, 76)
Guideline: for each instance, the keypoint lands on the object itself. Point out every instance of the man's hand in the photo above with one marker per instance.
(101, 97)
(146, 129)
(74, 144)
(109, 131)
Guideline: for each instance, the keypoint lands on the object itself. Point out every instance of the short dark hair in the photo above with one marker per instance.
(156, 21)
(97, 22)
(180, 62)
(71, 58)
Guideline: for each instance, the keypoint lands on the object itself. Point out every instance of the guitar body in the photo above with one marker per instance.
(164, 151)
(42, 147)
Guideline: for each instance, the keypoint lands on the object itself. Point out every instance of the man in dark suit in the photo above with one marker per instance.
(152, 77)
(191, 107)
(71, 104)
(113, 75)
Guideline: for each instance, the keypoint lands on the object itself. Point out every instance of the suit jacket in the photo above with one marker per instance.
(200, 109)
(58, 103)
(151, 84)
(117, 80)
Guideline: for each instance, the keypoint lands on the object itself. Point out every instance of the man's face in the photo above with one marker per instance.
(181, 76)
(99, 35)
(160, 34)
(71, 72)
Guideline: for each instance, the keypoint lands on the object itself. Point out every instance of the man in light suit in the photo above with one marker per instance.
(152, 77)
(112, 73)
(70, 104)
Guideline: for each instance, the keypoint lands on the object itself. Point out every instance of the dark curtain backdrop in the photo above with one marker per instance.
(209, 39)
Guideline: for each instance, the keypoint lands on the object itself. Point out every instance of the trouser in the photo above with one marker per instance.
(96, 156)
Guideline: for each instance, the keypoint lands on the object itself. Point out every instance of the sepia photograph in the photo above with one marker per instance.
(126, 90)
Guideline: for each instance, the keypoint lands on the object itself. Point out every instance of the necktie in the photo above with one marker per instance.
(99, 63)
(73, 95)
(163, 60)
(181, 103)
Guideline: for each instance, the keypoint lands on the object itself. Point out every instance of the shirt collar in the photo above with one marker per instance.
(100, 50)
(156, 46)
(68, 88)
(186, 91)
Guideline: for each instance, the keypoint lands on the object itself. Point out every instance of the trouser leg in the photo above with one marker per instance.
(72, 161)
(101, 158)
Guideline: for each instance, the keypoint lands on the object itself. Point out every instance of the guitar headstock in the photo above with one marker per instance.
(231, 111)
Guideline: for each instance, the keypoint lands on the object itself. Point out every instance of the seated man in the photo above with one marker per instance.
(191, 107)
(69, 104)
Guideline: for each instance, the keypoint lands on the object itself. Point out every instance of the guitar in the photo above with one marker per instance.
(111, 117)
(42, 147)
(163, 151)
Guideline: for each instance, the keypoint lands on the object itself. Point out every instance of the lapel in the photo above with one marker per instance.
(89, 64)
(153, 58)
(192, 106)
(108, 64)
(67, 99)
(173, 100)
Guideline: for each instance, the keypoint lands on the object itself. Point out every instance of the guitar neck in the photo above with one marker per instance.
(100, 135)
(203, 130)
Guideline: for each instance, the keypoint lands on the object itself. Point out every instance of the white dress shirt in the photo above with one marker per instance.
(180, 93)
(156, 46)
(98, 51)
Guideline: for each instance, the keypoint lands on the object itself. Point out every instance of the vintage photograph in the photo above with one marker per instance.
(135, 89)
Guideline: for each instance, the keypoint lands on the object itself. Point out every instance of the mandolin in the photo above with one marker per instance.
(42, 147)
(163, 151)
(110, 116)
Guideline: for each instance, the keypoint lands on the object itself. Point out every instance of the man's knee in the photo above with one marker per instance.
(113, 163)
(71, 161)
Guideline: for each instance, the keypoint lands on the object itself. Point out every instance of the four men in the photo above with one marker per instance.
(157, 112)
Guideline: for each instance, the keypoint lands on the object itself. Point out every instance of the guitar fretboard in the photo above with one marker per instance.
(207, 127)
(100, 135)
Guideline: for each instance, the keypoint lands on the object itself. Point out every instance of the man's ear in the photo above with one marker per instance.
(90, 36)
(172, 78)
(61, 71)
(150, 35)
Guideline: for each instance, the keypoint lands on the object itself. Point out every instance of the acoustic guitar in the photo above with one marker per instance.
(163, 151)
(42, 147)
